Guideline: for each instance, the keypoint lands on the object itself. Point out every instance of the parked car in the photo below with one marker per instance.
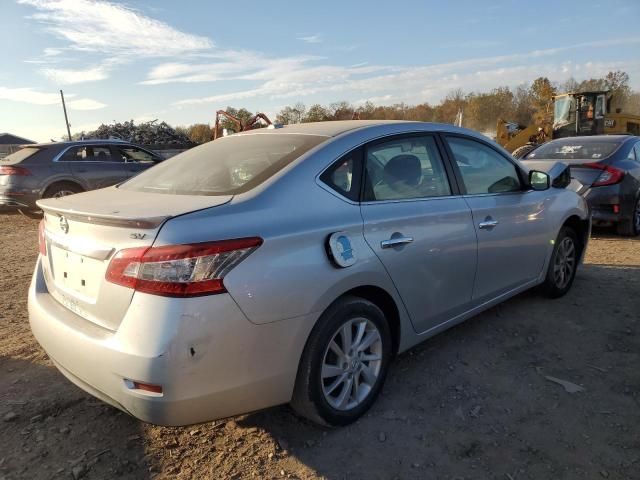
(291, 264)
(606, 171)
(49, 170)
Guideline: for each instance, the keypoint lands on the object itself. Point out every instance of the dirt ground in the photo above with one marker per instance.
(474, 402)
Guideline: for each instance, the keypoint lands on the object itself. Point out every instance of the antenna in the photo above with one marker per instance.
(66, 119)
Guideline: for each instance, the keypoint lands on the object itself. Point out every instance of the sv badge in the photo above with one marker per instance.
(138, 236)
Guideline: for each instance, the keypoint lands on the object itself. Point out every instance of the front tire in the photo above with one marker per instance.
(563, 264)
(344, 363)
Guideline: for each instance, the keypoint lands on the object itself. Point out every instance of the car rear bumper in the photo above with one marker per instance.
(602, 201)
(209, 359)
(17, 201)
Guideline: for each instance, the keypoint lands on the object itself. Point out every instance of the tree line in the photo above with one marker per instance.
(526, 104)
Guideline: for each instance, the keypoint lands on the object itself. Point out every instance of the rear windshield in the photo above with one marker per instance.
(226, 166)
(573, 150)
(21, 154)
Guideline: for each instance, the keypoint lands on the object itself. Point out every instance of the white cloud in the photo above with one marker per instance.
(178, 72)
(234, 65)
(101, 26)
(311, 39)
(52, 52)
(301, 77)
(113, 31)
(85, 104)
(65, 76)
(35, 97)
(29, 95)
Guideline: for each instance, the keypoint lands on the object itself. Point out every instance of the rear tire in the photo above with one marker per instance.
(631, 227)
(563, 264)
(344, 363)
(61, 189)
(57, 190)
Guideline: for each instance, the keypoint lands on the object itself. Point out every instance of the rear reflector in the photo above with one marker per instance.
(609, 176)
(616, 209)
(13, 170)
(147, 387)
(42, 245)
(179, 270)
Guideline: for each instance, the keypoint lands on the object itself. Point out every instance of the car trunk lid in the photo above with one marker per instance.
(582, 175)
(82, 233)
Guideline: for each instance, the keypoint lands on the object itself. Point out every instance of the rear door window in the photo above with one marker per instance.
(405, 168)
(90, 153)
(101, 154)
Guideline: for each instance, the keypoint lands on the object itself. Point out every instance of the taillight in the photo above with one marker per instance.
(179, 270)
(42, 245)
(13, 170)
(609, 176)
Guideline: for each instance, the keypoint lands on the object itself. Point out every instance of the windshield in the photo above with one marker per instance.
(573, 150)
(564, 109)
(226, 166)
(21, 154)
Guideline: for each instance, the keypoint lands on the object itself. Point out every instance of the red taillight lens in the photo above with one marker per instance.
(42, 245)
(609, 175)
(179, 270)
(13, 170)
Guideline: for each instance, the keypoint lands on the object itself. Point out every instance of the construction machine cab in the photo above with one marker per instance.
(577, 114)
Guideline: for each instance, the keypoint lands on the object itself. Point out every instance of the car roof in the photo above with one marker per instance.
(331, 128)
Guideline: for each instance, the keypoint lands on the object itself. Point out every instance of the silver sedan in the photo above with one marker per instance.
(291, 264)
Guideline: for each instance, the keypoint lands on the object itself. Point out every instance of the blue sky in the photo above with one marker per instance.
(181, 61)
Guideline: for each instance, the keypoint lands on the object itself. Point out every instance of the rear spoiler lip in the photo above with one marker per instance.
(101, 219)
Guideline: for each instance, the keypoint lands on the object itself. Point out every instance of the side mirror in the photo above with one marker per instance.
(539, 180)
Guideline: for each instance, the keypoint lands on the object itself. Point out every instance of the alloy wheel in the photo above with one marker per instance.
(62, 193)
(564, 262)
(351, 364)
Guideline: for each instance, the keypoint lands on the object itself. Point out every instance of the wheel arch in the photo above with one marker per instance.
(59, 181)
(385, 302)
(582, 227)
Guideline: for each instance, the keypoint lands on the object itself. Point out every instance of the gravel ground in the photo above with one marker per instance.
(474, 402)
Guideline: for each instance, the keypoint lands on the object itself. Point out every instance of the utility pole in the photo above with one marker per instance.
(66, 119)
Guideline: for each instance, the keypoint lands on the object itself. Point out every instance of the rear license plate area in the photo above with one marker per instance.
(74, 273)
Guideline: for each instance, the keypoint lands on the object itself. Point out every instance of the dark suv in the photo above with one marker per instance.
(48, 170)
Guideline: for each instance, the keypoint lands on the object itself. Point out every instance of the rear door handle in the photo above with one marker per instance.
(488, 224)
(394, 242)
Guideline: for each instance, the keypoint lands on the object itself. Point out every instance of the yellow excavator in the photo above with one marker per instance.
(574, 114)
